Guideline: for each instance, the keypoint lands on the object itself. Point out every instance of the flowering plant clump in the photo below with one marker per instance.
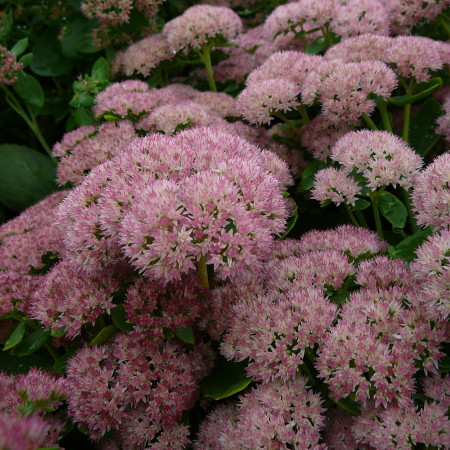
(231, 230)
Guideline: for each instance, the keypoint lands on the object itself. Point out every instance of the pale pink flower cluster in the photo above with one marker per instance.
(432, 268)
(336, 186)
(145, 55)
(173, 117)
(431, 193)
(66, 299)
(200, 24)
(443, 122)
(437, 389)
(9, 67)
(96, 147)
(355, 242)
(167, 202)
(259, 101)
(16, 290)
(345, 89)
(382, 157)
(25, 402)
(403, 427)
(26, 238)
(128, 99)
(272, 415)
(137, 386)
(404, 14)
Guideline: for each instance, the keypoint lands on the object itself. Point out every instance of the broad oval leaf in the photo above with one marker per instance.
(19, 47)
(31, 343)
(186, 334)
(309, 173)
(26, 176)
(16, 337)
(119, 318)
(104, 335)
(100, 70)
(406, 248)
(29, 89)
(393, 209)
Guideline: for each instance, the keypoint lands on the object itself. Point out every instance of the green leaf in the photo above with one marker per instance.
(226, 379)
(59, 333)
(307, 181)
(290, 225)
(406, 248)
(168, 333)
(26, 176)
(424, 90)
(444, 364)
(16, 337)
(32, 343)
(87, 46)
(103, 336)
(83, 116)
(29, 89)
(76, 31)
(186, 334)
(61, 363)
(360, 205)
(48, 60)
(19, 47)
(26, 59)
(392, 209)
(119, 318)
(421, 130)
(14, 365)
(100, 70)
(318, 46)
(6, 25)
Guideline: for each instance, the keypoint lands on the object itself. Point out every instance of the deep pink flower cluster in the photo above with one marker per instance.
(9, 67)
(169, 202)
(273, 415)
(137, 387)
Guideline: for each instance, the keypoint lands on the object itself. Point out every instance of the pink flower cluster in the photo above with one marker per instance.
(9, 67)
(137, 387)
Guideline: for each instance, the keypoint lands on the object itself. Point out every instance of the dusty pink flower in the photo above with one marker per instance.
(443, 122)
(259, 101)
(431, 193)
(8, 67)
(344, 89)
(66, 299)
(171, 118)
(291, 65)
(437, 388)
(26, 238)
(127, 99)
(355, 17)
(401, 428)
(220, 102)
(108, 11)
(107, 381)
(200, 24)
(278, 414)
(382, 157)
(337, 433)
(320, 135)
(236, 67)
(355, 242)
(16, 290)
(272, 331)
(334, 185)
(72, 139)
(143, 56)
(365, 47)
(416, 56)
(110, 138)
(404, 14)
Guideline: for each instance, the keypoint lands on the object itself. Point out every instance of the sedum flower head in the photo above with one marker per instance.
(380, 156)
(431, 193)
(258, 102)
(9, 67)
(334, 185)
(200, 24)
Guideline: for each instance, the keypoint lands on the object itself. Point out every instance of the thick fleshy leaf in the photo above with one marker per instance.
(186, 334)
(29, 89)
(26, 176)
(104, 335)
(100, 70)
(406, 248)
(393, 209)
(307, 181)
(226, 379)
(16, 337)
(19, 47)
(31, 343)
(120, 319)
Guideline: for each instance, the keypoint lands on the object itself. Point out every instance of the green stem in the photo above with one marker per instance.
(205, 56)
(352, 216)
(304, 113)
(443, 23)
(361, 219)
(29, 119)
(376, 213)
(203, 272)
(52, 352)
(344, 407)
(408, 203)
(382, 107)
(370, 123)
(291, 124)
(406, 119)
